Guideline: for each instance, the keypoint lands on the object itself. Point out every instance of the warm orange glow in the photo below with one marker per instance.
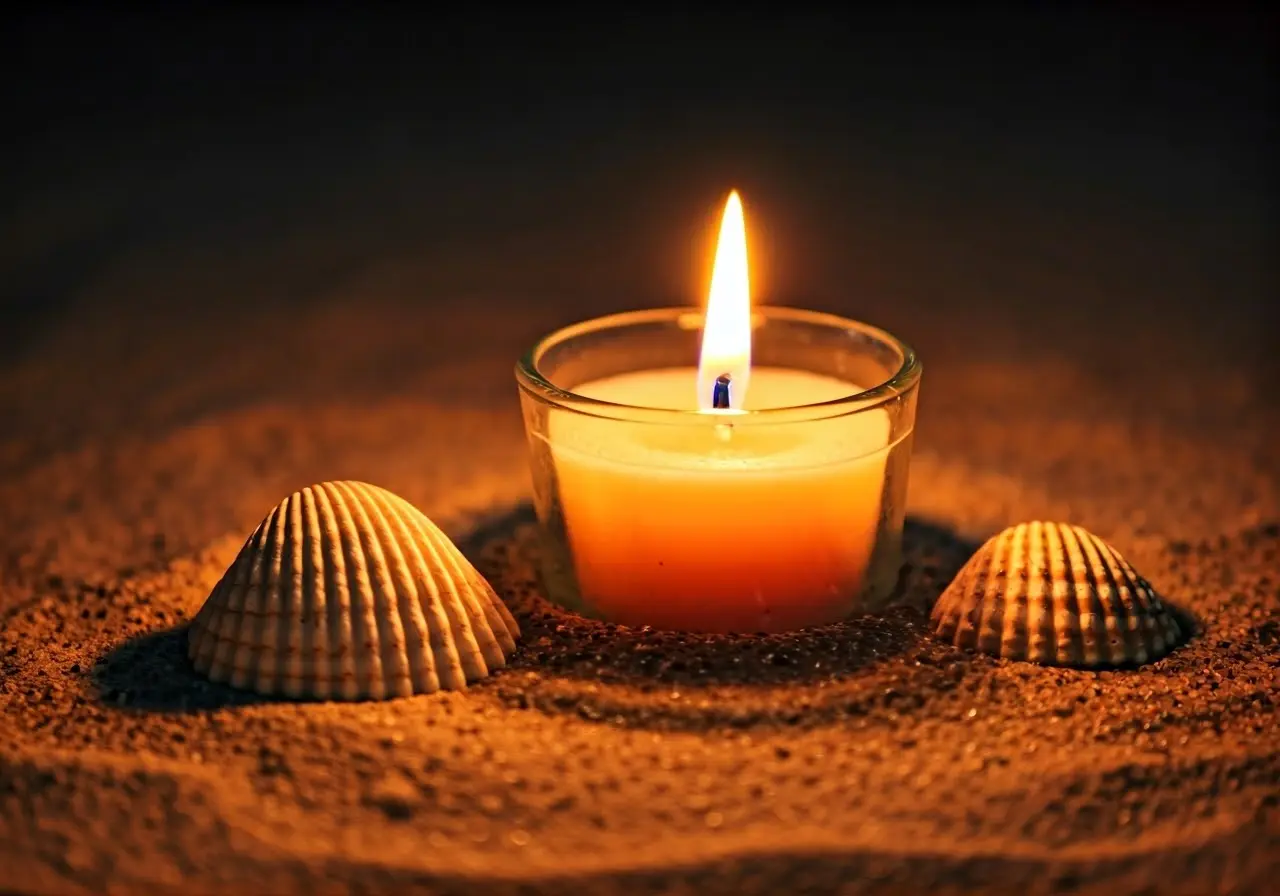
(726, 335)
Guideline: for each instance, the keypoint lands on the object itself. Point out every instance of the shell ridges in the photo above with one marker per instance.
(1055, 594)
(348, 592)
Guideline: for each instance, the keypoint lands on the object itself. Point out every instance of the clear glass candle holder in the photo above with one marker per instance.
(784, 515)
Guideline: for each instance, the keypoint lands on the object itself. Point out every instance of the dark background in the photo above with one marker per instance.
(1045, 170)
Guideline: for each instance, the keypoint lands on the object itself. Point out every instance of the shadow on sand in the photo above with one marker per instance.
(569, 663)
(559, 643)
(151, 672)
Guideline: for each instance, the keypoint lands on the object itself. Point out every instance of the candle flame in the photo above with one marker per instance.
(726, 335)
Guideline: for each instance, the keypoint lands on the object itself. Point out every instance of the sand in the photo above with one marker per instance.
(860, 758)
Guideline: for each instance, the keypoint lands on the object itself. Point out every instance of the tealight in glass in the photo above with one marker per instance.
(784, 513)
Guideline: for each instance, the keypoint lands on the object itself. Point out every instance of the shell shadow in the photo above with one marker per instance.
(1190, 624)
(1191, 628)
(151, 672)
(558, 643)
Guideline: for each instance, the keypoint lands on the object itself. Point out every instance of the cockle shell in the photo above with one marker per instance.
(348, 592)
(1055, 594)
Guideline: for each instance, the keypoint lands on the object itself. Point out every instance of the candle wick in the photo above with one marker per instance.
(720, 393)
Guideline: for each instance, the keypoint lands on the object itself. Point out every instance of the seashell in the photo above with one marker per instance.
(1054, 594)
(348, 592)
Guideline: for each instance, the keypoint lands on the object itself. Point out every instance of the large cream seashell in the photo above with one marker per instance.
(1055, 594)
(346, 591)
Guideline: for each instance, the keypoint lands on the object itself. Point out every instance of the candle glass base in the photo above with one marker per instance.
(786, 515)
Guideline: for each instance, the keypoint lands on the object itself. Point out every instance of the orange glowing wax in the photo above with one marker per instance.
(722, 527)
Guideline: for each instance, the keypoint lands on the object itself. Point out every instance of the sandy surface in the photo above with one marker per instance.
(221, 302)
(864, 755)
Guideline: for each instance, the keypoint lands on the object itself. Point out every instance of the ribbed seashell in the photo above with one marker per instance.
(1055, 594)
(348, 592)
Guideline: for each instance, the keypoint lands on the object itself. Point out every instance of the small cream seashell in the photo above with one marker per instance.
(348, 592)
(1055, 594)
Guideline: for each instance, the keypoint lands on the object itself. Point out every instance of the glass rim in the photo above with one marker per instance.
(532, 380)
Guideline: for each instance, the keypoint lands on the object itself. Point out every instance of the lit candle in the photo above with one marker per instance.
(737, 524)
